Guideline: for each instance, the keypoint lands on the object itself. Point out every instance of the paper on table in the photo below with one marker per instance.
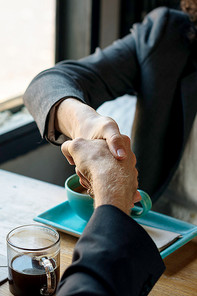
(162, 238)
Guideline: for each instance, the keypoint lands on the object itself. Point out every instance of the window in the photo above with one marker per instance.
(35, 34)
(27, 30)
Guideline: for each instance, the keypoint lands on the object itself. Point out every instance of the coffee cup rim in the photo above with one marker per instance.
(32, 249)
(72, 190)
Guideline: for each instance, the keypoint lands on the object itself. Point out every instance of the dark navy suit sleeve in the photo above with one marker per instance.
(114, 256)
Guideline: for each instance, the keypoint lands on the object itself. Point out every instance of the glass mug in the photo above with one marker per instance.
(33, 253)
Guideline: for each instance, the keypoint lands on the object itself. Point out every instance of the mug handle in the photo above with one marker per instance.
(146, 203)
(51, 277)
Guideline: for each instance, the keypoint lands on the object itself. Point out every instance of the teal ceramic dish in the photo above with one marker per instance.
(83, 204)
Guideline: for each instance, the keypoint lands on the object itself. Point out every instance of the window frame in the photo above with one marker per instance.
(19, 141)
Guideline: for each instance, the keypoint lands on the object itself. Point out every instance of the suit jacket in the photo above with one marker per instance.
(155, 62)
(114, 256)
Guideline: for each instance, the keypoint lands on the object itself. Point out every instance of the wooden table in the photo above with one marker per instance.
(22, 198)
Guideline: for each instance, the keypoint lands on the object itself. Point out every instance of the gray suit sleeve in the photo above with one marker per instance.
(93, 80)
(102, 76)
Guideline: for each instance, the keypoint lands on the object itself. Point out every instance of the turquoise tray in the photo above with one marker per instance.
(64, 219)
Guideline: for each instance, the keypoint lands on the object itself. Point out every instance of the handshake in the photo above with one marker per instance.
(111, 181)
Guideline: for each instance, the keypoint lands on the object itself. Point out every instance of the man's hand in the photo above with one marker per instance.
(78, 120)
(112, 181)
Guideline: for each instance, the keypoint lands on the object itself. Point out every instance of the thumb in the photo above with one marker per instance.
(115, 141)
(65, 150)
(116, 146)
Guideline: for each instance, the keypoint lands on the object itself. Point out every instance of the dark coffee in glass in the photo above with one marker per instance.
(34, 270)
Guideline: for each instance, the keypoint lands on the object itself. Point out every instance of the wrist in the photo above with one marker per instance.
(107, 192)
(66, 120)
(74, 118)
(108, 200)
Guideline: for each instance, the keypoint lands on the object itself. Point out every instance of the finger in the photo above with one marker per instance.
(116, 145)
(65, 150)
(82, 179)
(137, 197)
(111, 134)
(132, 205)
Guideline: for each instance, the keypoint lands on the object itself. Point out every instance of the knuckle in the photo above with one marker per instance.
(108, 123)
(76, 144)
(115, 138)
(127, 140)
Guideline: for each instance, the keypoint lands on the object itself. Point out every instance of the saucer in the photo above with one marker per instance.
(64, 219)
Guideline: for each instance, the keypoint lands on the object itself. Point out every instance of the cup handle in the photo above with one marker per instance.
(146, 203)
(51, 277)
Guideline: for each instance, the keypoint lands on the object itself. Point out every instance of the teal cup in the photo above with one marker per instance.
(83, 204)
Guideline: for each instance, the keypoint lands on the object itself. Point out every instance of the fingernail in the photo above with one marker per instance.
(121, 153)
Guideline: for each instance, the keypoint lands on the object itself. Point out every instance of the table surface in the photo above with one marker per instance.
(23, 198)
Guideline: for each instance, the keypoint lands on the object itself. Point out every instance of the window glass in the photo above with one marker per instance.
(27, 32)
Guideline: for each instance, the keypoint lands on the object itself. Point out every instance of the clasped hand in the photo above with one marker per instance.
(112, 181)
